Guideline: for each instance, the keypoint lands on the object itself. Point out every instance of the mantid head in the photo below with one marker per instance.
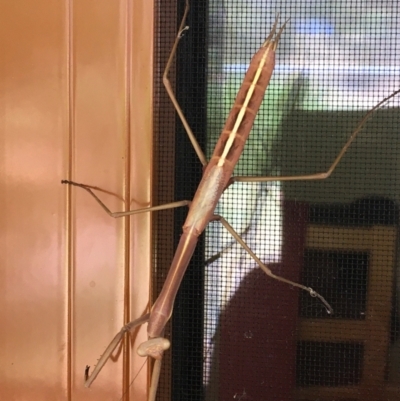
(154, 347)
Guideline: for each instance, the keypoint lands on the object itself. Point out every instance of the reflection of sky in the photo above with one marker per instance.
(336, 86)
(370, 70)
(314, 26)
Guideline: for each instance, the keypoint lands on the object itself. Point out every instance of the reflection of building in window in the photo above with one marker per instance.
(334, 63)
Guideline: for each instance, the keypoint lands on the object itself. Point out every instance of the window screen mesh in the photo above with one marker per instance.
(236, 333)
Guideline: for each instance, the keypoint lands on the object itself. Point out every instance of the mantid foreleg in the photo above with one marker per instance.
(162, 343)
(128, 328)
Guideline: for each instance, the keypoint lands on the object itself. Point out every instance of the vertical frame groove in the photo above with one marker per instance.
(127, 192)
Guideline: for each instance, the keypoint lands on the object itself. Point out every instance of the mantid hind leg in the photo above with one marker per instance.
(199, 152)
(171, 94)
(327, 173)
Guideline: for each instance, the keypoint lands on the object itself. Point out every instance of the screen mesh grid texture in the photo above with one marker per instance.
(249, 337)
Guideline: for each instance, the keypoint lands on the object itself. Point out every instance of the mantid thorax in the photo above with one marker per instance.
(205, 200)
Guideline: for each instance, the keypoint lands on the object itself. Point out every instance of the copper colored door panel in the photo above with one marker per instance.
(75, 102)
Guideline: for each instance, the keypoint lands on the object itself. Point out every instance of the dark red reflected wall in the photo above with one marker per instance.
(258, 328)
